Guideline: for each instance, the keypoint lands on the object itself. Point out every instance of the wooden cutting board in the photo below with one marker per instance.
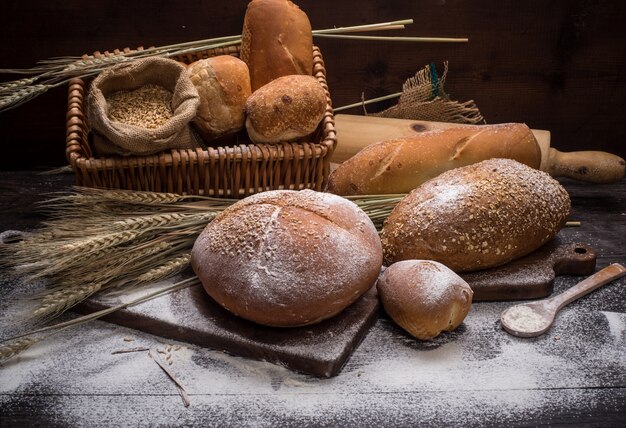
(321, 350)
(532, 277)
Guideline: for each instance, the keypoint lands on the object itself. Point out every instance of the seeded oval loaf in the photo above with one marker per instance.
(288, 258)
(285, 109)
(400, 165)
(424, 297)
(477, 217)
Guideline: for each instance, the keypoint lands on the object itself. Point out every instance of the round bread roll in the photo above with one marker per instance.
(223, 83)
(424, 297)
(288, 258)
(276, 41)
(402, 164)
(477, 217)
(285, 109)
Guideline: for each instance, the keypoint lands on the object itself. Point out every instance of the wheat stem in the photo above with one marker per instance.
(22, 342)
(16, 347)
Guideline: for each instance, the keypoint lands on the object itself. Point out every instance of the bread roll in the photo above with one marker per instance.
(424, 297)
(276, 41)
(223, 83)
(288, 258)
(477, 217)
(285, 109)
(400, 165)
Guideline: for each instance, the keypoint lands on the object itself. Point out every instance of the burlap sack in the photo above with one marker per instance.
(117, 138)
(423, 98)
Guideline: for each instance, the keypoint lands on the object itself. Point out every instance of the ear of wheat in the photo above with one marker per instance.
(97, 241)
(50, 73)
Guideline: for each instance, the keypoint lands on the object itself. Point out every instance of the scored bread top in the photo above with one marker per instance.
(288, 258)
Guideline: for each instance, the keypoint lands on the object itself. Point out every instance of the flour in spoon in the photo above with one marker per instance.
(524, 319)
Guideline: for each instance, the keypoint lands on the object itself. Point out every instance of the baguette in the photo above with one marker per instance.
(400, 165)
(477, 217)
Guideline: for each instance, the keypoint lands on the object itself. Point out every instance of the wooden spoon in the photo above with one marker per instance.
(534, 319)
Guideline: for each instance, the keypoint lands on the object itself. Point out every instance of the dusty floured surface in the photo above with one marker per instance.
(476, 374)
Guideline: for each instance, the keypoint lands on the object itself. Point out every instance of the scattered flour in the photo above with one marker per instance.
(475, 374)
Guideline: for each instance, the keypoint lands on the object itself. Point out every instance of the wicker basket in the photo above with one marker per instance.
(232, 171)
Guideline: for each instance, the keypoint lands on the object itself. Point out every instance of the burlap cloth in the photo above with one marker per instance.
(117, 138)
(423, 98)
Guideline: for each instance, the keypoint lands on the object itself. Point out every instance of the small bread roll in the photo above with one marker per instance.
(285, 109)
(276, 41)
(477, 217)
(223, 83)
(288, 258)
(424, 297)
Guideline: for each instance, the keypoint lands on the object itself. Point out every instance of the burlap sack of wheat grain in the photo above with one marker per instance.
(113, 137)
(423, 98)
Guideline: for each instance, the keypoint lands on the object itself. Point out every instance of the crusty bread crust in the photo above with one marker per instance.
(288, 258)
(276, 41)
(424, 297)
(476, 217)
(285, 109)
(223, 83)
(400, 165)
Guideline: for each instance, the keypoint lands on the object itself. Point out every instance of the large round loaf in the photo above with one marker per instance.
(276, 41)
(223, 83)
(288, 258)
(477, 217)
(400, 165)
(285, 109)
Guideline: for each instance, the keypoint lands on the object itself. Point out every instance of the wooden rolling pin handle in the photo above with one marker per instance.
(588, 166)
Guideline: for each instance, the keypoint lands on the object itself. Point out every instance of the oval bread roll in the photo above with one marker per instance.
(276, 41)
(477, 217)
(223, 83)
(288, 258)
(424, 297)
(285, 109)
(400, 165)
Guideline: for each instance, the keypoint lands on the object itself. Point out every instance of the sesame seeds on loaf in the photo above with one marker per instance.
(476, 217)
(288, 258)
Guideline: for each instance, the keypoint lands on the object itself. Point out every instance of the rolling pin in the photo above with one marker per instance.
(356, 132)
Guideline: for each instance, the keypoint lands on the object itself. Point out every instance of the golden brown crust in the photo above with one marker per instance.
(285, 109)
(424, 297)
(400, 165)
(287, 258)
(477, 217)
(276, 41)
(223, 83)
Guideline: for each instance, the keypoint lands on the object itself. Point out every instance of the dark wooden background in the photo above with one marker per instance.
(556, 65)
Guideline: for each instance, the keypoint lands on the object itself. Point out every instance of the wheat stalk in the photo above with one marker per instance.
(16, 347)
(59, 301)
(18, 344)
(130, 239)
(54, 72)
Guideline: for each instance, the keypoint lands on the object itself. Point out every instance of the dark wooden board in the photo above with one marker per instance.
(532, 277)
(191, 316)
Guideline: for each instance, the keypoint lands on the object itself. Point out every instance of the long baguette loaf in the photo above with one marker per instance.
(477, 217)
(400, 165)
